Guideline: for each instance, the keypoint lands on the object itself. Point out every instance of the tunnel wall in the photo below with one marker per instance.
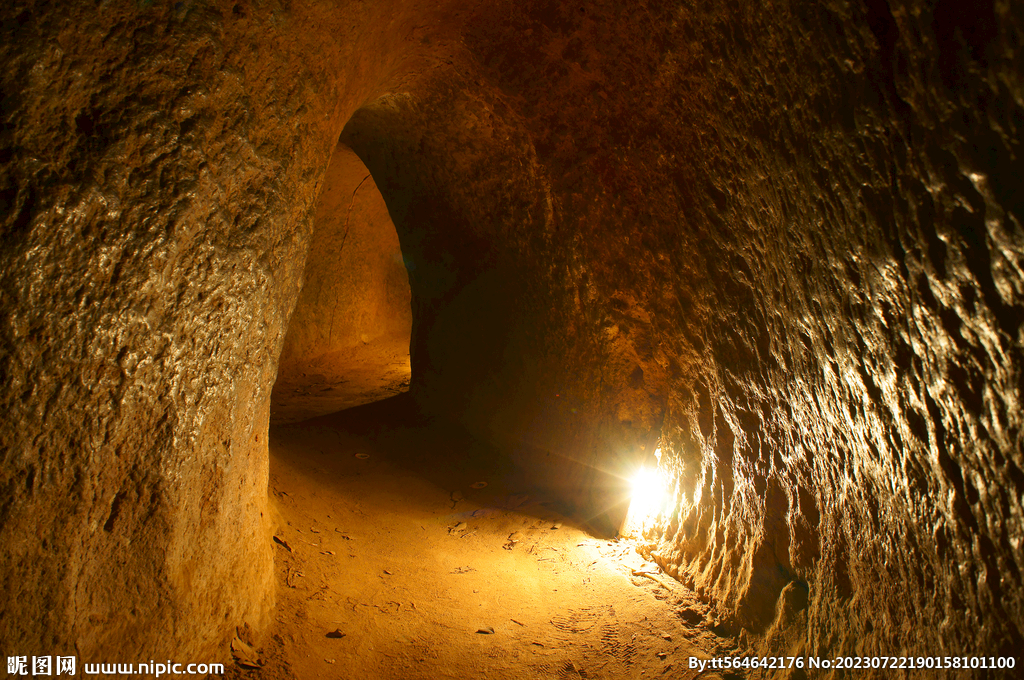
(800, 223)
(850, 458)
(161, 165)
(789, 235)
(148, 261)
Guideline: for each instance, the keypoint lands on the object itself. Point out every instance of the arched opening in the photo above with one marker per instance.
(425, 531)
(347, 343)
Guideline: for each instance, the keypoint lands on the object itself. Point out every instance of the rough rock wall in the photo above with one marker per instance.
(850, 457)
(797, 236)
(142, 311)
(161, 163)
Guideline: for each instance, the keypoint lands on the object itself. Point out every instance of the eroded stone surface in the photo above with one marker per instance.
(161, 165)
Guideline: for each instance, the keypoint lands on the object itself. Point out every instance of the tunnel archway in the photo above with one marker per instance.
(494, 294)
(347, 342)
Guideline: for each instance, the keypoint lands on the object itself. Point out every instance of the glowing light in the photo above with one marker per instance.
(648, 501)
(647, 491)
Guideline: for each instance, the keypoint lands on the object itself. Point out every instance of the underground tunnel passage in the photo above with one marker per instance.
(348, 339)
(512, 339)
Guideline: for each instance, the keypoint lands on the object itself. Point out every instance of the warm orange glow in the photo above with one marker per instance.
(648, 501)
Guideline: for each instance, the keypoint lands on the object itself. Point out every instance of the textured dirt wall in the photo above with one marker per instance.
(851, 454)
(793, 230)
(161, 164)
(146, 279)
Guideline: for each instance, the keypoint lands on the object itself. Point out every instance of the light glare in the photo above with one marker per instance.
(647, 500)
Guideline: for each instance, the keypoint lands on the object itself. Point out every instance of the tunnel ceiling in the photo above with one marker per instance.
(786, 239)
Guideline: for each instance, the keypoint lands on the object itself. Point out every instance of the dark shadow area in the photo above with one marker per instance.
(442, 452)
(490, 324)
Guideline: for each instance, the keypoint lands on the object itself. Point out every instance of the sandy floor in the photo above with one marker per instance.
(342, 379)
(394, 563)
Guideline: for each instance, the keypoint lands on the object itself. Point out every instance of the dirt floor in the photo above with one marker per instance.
(394, 561)
(364, 373)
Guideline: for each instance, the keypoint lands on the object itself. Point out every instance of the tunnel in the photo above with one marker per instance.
(512, 339)
(347, 341)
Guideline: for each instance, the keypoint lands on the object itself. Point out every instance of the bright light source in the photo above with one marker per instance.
(647, 502)
(647, 488)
